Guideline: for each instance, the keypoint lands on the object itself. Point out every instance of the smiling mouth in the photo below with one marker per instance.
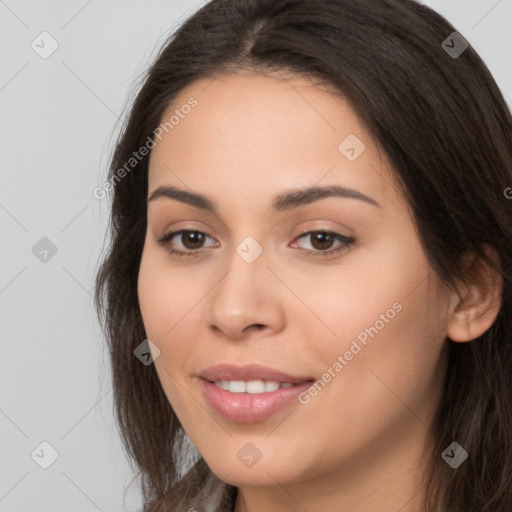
(251, 401)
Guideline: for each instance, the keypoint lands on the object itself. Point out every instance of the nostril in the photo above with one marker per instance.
(257, 326)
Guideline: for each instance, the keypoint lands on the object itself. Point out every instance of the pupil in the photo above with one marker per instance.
(324, 236)
(192, 235)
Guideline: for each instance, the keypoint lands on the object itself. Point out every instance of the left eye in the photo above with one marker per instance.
(192, 240)
(322, 239)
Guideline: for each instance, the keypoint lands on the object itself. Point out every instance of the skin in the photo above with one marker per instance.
(358, 445)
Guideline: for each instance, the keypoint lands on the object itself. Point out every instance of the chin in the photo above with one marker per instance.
(263, 473)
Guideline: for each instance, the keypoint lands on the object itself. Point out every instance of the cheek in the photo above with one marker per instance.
(387, 326)
(165, 294)
(390, 369)
(161, 309)
(169, 300)
(385, 387)
(362, 299)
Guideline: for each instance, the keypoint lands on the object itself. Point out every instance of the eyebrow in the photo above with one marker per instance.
(282, 202)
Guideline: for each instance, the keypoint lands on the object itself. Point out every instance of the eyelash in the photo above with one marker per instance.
(347, 242)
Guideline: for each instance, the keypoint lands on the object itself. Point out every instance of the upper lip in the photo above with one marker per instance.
(249, 372)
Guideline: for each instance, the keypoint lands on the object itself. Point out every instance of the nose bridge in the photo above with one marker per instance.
(243, 295)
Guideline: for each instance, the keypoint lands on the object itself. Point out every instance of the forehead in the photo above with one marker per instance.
(255, 109)
(248, 133)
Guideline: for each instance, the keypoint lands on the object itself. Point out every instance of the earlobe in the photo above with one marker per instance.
(479, 303)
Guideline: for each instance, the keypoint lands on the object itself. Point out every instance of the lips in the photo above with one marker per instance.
(249, 372)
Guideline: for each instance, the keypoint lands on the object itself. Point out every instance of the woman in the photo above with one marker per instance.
(310, 269)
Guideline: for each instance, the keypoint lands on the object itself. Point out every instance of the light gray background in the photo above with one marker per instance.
(58, 117)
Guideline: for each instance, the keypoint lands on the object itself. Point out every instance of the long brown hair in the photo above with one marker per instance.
(443, 123)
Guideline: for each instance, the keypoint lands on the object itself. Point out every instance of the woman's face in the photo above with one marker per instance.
(363, 321)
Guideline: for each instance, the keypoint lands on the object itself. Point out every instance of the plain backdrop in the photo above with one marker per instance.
(58, 117)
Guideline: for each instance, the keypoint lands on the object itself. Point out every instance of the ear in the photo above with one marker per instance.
(479, 303)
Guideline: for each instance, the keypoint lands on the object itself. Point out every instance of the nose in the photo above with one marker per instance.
(246, 299)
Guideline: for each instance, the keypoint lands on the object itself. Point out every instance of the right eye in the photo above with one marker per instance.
(191, 241)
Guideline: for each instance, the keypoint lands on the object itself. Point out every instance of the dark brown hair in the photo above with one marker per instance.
(445, 127)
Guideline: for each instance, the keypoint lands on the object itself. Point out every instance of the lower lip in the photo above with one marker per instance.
(247, 407)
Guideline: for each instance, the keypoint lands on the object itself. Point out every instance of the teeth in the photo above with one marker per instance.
(236, 386)
(251, 386)
(268, 386)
